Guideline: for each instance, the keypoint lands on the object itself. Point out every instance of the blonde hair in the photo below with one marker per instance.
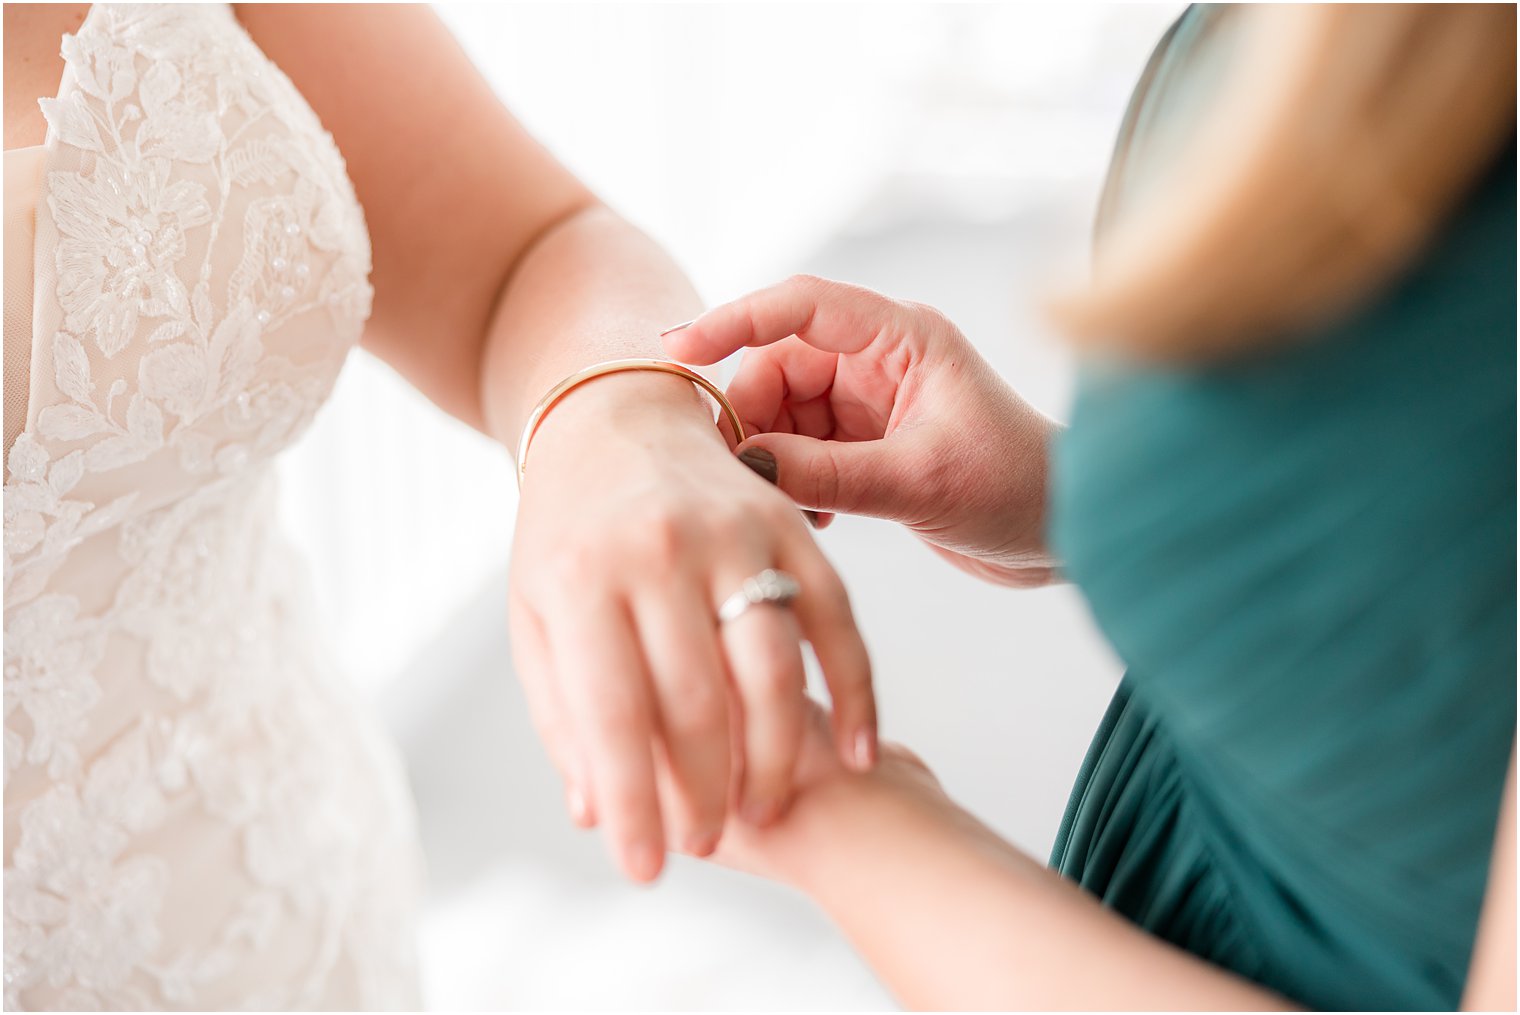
(1342, 139)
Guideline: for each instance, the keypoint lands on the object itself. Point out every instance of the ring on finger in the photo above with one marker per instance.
(771, 587)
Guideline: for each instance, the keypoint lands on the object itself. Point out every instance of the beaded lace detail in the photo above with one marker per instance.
(197, 813)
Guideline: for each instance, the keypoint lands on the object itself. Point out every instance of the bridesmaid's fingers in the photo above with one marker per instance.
(758, 391)
(827, 315)
(770, 379)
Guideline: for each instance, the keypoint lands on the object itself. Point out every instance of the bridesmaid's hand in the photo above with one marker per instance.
(876, 407)
(636, 522)
(836, 807)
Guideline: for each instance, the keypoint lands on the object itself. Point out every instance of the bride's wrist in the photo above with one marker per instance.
(639, 404)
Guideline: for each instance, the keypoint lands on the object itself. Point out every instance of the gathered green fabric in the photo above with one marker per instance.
(1307, 561)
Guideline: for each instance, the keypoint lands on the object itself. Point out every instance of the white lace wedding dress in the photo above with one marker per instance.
(198, 814)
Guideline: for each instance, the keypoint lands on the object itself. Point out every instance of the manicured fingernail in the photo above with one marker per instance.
(683, 324)
(644, 861)
(579, 812)
(702, 844)
(762, 463)
(865, 750)
(760, 812)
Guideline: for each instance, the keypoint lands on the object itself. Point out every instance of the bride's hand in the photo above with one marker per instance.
(877, 407)
(635, 523)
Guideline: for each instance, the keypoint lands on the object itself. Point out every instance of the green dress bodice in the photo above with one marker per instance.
(1307, 561)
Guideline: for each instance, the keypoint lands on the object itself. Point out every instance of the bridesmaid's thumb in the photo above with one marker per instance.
(826, 476)
(763, 464)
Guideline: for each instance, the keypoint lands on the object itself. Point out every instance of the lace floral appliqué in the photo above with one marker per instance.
(199, 815)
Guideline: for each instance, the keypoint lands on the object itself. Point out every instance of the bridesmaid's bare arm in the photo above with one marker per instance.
(1491, 980)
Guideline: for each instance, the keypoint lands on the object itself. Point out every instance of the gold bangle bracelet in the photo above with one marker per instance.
(616, 366)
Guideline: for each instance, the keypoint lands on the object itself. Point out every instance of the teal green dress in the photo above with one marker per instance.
(1308, 563)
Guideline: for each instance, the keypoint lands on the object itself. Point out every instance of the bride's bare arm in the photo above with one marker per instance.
(465, 209)
(497, 273)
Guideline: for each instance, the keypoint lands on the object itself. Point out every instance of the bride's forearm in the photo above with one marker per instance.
(591, 287)
(952, 917)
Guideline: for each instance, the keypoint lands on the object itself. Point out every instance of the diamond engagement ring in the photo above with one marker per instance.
(769, 586)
